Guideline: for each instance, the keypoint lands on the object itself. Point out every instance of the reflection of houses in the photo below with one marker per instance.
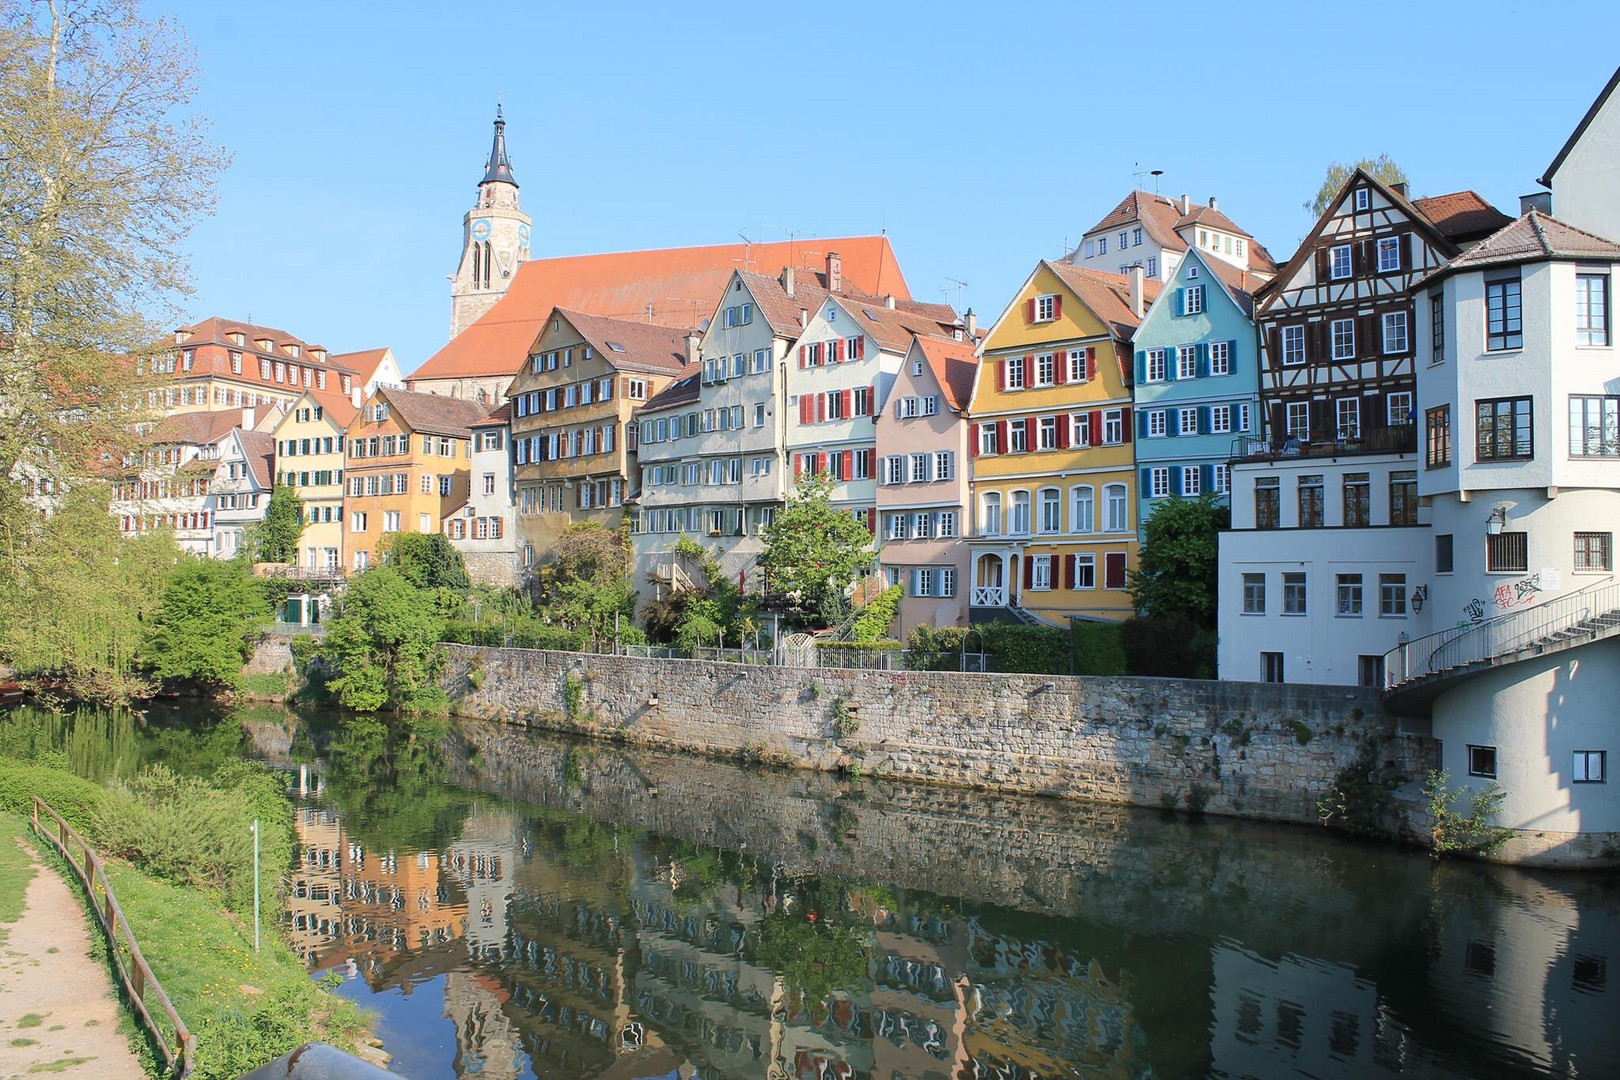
(313, 903)
(487, 1041)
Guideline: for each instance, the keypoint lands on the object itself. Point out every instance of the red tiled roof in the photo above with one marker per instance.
(1107, 295)
(893, 328)
(631, 346)
(679, 285)
(201, 428)
(1239, 283)
(363, 363)
(683, 391)
(1160, 216)
(435, 413)
(260, 449)
(499, 418)
(1462, 215)
(1535, 237)
(954, 366)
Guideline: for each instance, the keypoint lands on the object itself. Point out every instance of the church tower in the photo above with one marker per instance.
(494, 241)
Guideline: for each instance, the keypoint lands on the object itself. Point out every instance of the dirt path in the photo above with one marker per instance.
(58, 1015)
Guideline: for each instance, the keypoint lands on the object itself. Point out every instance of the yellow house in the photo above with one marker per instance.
(309, 459)
(1052, 440)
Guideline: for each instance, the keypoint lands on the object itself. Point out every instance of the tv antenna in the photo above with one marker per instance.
(952, 285)
(1141, 172)
(793, 237)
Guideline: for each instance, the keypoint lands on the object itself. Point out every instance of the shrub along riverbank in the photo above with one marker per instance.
(179, 854)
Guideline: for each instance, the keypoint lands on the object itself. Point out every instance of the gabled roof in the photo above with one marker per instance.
(1161, 218)
(1240, 284)
(678, 286)
(1580, 129)
(500, 417)
(1107, 295)
(364, 364)
(683, 391)
(259, 449)
(954, 366)
(202, 428)
(779, 309)
(631, 346)
(893, 328)
(434, 414)
(1535, 237)
(1462, 215)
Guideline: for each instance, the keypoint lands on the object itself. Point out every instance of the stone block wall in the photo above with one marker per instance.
(1263, 751)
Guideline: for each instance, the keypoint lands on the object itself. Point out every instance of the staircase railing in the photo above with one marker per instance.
(1463, 646)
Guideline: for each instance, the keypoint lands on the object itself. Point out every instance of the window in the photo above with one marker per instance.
(1591, 309)
(1394, 332)
(1222, 476)
(1136, 236)
(1193, 302)
(1293, 593)
(1349, 596)
(990, 513)
(1370, 670)
(1267, 503)
(1594, 551)
(1192, 480)
(1389, 254)
(1102, 245)
(1403, 497)
(1504, 328)
(1045, 370)
(1348, 413)
(1040, 572)
(1047, 434)
(1254, 594)
(1082, 512)
(1156, 368)
(1114, 570)
(987, 438)
(1153, 266)
(921, 468)
(1398, 408)
(1437, 327)
(1124, 239)
(1018, 436)
(1502, 429)
(1157, 426)
(1220, 358)
(1220, 419)
(1392, 596)
(1444, 558)
(946, 525)
(944, 464)
(922, 581)
(759, 414)
(1271, 665)
(1159, 482)
(1357, 499)
(1437, 439)
(489, 483)
(1114, 508)
(1085, 571)
(1594, 426)
(1344, 338)
(1339, 262)
(894, 527)
(1310, 501)
(1019, 514)
(1045, 308)
(1014, 367)
(1293, 345)
(1363, 198)
(1187, 362)
(1481, 761)
(1507, 553)
(1590, 767)
(1113, 432)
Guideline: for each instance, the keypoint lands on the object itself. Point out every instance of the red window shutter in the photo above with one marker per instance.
(1057, 307)
(798, 465)
(1029, 309)
(804, 355)
(860, 351)
(1063, 432)
(821, 406)
(1003, 444)
(821, 464)
(1091, 364)
(1125, 423)
(849, 461)
(849, 404)
(1094, 418)
(1114, 577)
(973, 440)
(805, 405)
(1029, 572)
(1031, 427)
(1321, 265)
(1060, 366)
(1001, 373)
(1068, 572)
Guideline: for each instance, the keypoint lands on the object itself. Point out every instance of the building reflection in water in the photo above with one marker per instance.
(575, 947)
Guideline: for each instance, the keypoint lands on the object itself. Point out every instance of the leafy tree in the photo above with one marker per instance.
(812, 552)
(382, 644)
(212, 611)
(427, 560)
(587, 586)
(277, 535)
(1176, 572)
(1382, 168)
(105, 171)
(879, 613)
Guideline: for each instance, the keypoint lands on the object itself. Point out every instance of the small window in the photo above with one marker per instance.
(1590, 767)
(1349, 595)
(1194, 299)
(1392, 596)
(1389, 254)
(1594, 552)
(1363, 198)
(1437, 428)
(1482, 761)
(1507, 553)
(1370, 670)
(1271, 666)
(1339, 264)
(1293, 593)
(1504, 326)
(1444, 557)
(1293, 345)
(1254, 594)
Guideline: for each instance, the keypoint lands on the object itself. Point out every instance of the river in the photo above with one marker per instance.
(521, 905)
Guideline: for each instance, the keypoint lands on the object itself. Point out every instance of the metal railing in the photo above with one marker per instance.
(698, 652)
(180, 1051)
(1397, 439)
(1594, 608)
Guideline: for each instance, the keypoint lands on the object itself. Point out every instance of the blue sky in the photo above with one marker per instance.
(980, 136)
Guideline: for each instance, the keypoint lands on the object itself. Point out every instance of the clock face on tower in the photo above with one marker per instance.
(523, 238)
(480, 229)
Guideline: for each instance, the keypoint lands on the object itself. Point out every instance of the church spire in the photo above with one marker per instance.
(499, 169)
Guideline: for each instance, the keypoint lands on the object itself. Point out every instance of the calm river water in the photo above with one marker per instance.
(518, 905)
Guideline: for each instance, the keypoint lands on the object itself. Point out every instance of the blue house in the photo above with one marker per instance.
(1197, 381)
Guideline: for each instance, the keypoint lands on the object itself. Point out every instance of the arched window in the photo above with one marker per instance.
(489, 282)
(990, 514)
(1018, 516)
(1114, 508)
(1082, 515)
(477, 266)
(1051, 510)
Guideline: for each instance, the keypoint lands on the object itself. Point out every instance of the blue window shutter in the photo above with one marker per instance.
(1145, 490)
(1141, 365)
(1206, 476)
(1181, 301)
(1203, 359)
(1171, 422)
(1141, 424)
(1231, 358)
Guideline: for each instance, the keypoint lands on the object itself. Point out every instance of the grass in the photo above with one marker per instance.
(60, 1065)
(30, 1020)
(267, 685)
(15, 871)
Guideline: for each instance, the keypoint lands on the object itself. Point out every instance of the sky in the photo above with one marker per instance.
(981, 137)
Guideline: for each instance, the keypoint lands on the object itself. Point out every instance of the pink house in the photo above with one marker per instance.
(922, 493)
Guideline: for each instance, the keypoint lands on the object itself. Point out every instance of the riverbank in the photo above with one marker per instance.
(1260, 751)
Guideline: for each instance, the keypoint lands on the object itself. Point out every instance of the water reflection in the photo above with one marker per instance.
(583, 911)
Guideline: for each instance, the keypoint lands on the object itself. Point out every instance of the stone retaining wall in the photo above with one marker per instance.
(1263, 751)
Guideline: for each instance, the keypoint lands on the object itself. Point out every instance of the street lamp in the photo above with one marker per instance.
(1496, 522)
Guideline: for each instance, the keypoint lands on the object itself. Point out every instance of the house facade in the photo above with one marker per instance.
(1196, 386)
(1053, 534)
(1326, 541)
(922, 494)
(1585, 175)
(227, 364)
(483, 529)
(240, 488)
(408, 465)
(1154, 233)
(310, 454)
(573, 404)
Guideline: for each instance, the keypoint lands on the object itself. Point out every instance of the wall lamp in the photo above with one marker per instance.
(1496, 522)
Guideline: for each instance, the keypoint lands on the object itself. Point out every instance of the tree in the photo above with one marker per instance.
(1381, 168)
(427, 560)
(587, 586)
(1176, 572)
(812, 552)
(103, 172)
(382, 644)
(277, 535)
(212, 611)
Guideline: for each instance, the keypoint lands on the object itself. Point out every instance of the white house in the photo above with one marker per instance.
(482, 527)
(244, 471)
(1154, 232)
(1585, 176)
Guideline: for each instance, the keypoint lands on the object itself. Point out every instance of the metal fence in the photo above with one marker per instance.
(177, 1044)
(697, 652)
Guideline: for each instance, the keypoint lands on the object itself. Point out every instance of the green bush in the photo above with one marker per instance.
(1035, 650)
(930, 648)
(1098, 648)
(878, 615)
(555, 638)
(75, 799)
(1174, 647)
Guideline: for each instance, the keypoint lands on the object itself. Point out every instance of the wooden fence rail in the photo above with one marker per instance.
(179, 1048)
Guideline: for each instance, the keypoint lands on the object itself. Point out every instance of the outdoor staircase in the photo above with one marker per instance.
(1419, 671)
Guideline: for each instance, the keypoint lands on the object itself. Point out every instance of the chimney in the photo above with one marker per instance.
(804, 318)
(787, 281)
(888, 301)
(1186, 205)
(1539, 201)
(835, 272)
(247, 419)
(694, 344)
(1212, 205)
(970, 322)
(1399, 189)
(1137, 274)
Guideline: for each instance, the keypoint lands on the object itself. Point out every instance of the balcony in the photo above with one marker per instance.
(1401, 439)
(989, 596)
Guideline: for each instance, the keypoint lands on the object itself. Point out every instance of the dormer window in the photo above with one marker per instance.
(320, 380)
(348, 383)
(266, 345)
(236, 363)
(238, 338)
(292, 350)
(187, 358)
